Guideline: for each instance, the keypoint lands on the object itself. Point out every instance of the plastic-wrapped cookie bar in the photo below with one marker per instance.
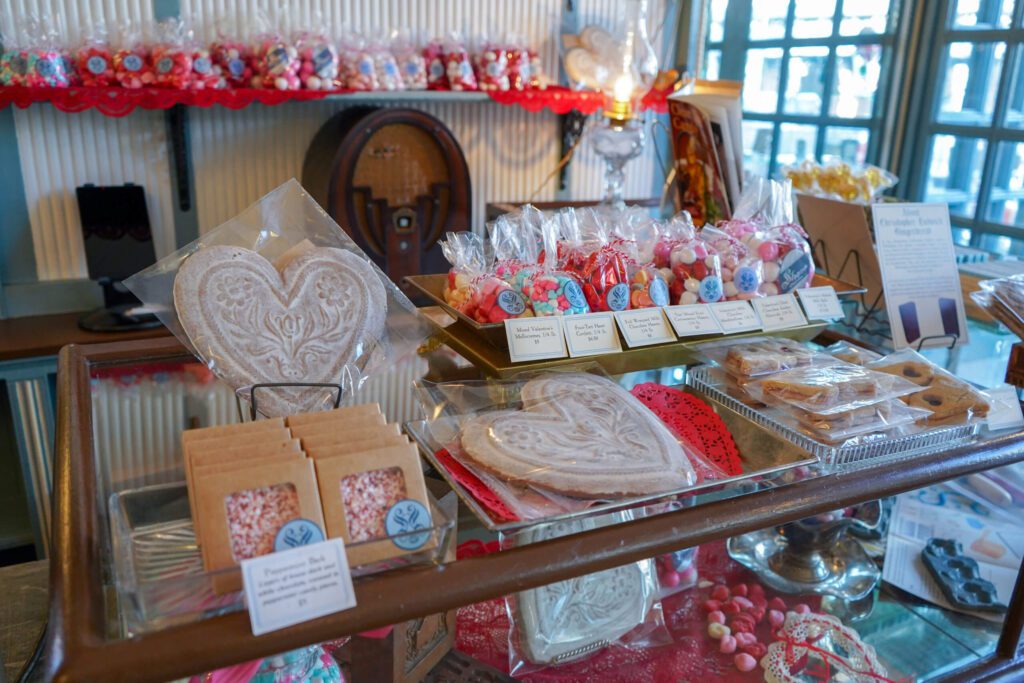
(373, 495)
(244, 512)
(318, 443)
(758, 356)
(851, 353)
(357, 411)
(880, 417)
(950, 399)
(829, 390)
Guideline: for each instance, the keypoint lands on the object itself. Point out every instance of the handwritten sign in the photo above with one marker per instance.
(534, 339)
(591, 334)
(692, 320)
(735, 316)
(292, 586)
(644, 327)
(779, 312)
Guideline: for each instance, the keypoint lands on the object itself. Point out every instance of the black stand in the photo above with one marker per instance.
(271, 385)
(115, 316)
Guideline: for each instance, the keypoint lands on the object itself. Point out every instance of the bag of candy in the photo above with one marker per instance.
(45, 66)
(433, 57)
(492, 68)
(319, 64)
(605, 272)
(465, 253)
(695, 267)
(548, 289)
(13, 58)
(357, 64)
(172, 60)
(95, 59)
(133, 67)
(233, 57)
(206, 75)
(741, 271)
(515, 240)
(519, 65)
(411, 64)
(275, 59)
(457, 65)
(389, 77)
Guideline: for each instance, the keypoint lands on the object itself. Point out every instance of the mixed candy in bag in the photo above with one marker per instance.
(172, 60)
(319, 65)
(95, 60)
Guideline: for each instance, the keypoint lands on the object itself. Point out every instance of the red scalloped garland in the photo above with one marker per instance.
(117, 102)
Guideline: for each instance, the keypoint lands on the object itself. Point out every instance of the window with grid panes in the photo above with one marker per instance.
(972, 141)
(814, 75)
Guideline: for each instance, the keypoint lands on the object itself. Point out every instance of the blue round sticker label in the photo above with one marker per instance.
(236, 67)
(132, 62)
(511, 302)
(574, 295)
(659, 292)
(165, 65)
(47, 68)
(618, 297)
(296, 533)
(202, 65)
(96, 64)
(745, 278)
(404, 517)
(711, 289)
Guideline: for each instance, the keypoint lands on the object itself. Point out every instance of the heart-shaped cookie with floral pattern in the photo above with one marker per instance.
(322, 314)
(581, 435)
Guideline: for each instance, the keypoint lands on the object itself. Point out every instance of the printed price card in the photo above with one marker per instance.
(820, 303)
(692, 320)
(292, 586)
(534, 339)
(645, 327)
(591, 334)
(735, 316)
(779, 312)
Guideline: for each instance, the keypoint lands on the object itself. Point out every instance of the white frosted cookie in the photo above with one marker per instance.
(253, 324)
(581, 435)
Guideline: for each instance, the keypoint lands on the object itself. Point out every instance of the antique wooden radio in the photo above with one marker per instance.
(395, 180)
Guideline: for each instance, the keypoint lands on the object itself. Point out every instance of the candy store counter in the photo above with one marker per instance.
(86, 643)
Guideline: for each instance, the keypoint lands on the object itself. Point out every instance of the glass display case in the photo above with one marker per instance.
(119, 495)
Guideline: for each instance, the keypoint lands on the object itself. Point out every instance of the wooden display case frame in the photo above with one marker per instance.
(77, 648)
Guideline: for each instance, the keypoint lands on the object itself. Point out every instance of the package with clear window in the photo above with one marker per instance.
(172, 58)
(950, 399)
(748, 357)
(410, 61)
(358, 63)
(515, 238)
(281, 295)
(433, 57)
(829, 389)
(741, 272)
(133, 66)
(490, 61)
(472, 288)
(567, 621)
(206, 74)
(695, 267)
(14, 57)
(603, 271)
(95, 59)
(275, 59)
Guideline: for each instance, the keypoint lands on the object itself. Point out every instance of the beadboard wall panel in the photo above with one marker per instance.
(61, 151)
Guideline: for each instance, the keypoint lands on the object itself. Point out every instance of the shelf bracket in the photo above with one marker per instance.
(177, 133)
(570, 128)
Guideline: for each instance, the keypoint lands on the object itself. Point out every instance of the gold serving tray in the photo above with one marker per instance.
(432, 286)
(495, 362)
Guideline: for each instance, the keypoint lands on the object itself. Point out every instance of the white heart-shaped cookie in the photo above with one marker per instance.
(579, 434)
(252, 324)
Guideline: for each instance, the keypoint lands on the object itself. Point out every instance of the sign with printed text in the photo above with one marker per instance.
(591, 334)
(645, 327)
(923, 298)
(692, 320)
(292, 586)
(534, 339)
(820, 303)
(735, 316)
(780, 312)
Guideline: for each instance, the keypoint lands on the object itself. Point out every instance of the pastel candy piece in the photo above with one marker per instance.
(744, 662)
(716, 617)
(776, 618)
(801, 609)
(727, 274)
(688, 298)
(771, 271)
(727, 645)
(769, 289)
(739, 589)
(692, 285)
(700, 251)
(730, 261)
(711, 261)
(730, 290)
(741, 600)
(768, 251)
(716, 630)
(777, 603)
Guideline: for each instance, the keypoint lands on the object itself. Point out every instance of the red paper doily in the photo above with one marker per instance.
(694, 422)
(498, 511)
